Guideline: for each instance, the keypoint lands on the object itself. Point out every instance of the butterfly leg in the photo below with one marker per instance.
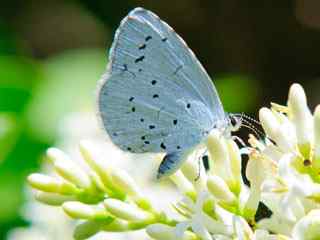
(171, 163)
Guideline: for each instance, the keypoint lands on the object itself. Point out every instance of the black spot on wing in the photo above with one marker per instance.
(126, 69)
(142, 46)
(148, 38)
(139, 59)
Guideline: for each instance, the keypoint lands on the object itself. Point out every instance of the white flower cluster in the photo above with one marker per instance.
(290, 186)
(283, 171)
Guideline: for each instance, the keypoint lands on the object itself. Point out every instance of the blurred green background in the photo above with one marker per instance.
(53, 52)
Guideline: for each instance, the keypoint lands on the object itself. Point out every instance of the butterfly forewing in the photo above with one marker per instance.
(155, 95)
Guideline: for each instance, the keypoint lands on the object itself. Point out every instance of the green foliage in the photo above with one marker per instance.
(68, 86)
(34, 97)
(8, 134)
(239, 93)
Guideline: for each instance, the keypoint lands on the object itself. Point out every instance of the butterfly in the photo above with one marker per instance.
(156, 96)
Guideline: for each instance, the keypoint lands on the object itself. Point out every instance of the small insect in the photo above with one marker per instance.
(156, 96)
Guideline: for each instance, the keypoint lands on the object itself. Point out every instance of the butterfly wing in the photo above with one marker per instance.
(155, 96)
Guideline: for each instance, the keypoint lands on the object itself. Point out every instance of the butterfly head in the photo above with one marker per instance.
(230, 123)
(234, 122)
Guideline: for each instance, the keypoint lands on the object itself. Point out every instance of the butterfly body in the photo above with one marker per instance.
(156, 96)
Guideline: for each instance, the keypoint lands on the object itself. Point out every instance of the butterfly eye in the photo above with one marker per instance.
(235, 122)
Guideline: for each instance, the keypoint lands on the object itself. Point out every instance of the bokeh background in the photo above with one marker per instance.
(53, 52)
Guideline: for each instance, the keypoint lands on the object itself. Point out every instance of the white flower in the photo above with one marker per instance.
(283, 172)
(81, 190)
(308, 227)
(291, 186)
(199, 221)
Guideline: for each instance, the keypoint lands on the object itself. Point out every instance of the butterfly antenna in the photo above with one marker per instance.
(262, 136)
(258, 133)
(248, 123)
(250, 119)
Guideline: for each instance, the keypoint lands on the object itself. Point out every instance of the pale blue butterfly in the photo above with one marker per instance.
(156, 96)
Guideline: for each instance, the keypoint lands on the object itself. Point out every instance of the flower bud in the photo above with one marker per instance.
(89, 228)
(301, 117)
(160, 231)
(182, 183)
(98, 166)
(255, 171)
(219, 189)
(50, 184)
(118, 225)
(316, 159)
(68, 169)
(123, 181)
(279, 108)
(219, 153)
(80, 210)
(126, 211)
(53, 199)
(235, 162)
(194, 171)
(256, 174)
(274, 130)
